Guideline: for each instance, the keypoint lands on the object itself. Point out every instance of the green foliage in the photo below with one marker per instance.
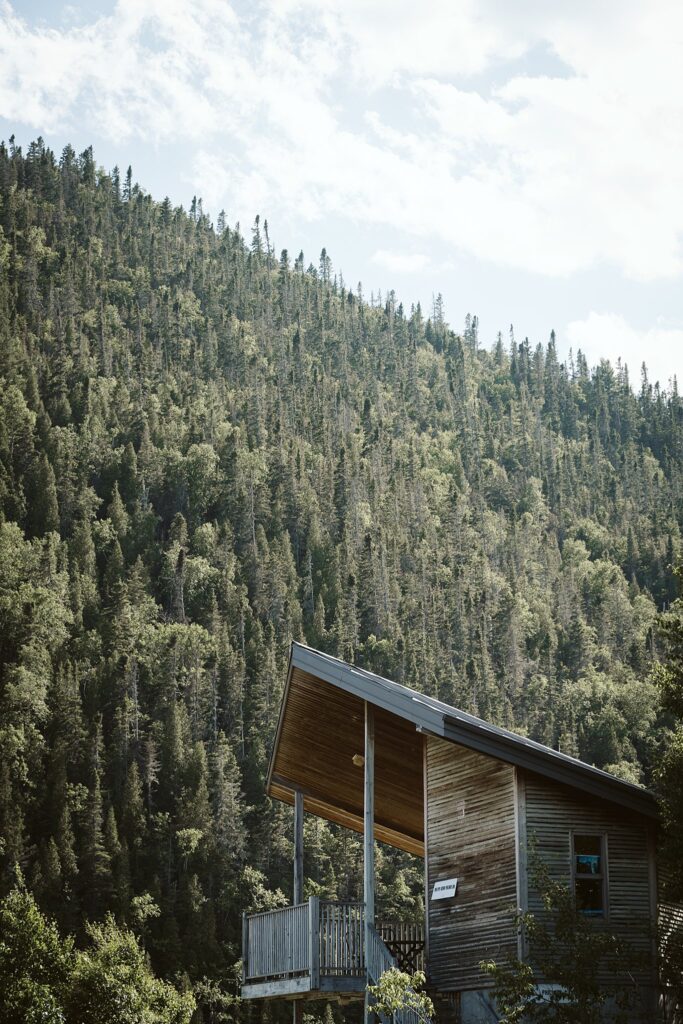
(256, 894)
(219, 1006)
(206, 453)
(586, 971)
(35, 963)
(396, 990)
(43, 978)
(669, 675)
(112, 984)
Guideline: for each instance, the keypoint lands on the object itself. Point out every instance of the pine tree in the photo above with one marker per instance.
(96, 859)
(42, 499)
(206, 453)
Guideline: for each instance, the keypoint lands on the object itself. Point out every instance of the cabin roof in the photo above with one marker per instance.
(321, 729)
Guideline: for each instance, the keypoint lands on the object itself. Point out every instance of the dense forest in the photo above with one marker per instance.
(207, 450)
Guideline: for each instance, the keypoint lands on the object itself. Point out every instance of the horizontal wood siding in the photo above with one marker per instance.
(471, 836)
(553, 812)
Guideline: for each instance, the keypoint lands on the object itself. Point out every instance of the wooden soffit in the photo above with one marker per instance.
(321, 730)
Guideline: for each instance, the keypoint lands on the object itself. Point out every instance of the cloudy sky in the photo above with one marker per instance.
(525, 160)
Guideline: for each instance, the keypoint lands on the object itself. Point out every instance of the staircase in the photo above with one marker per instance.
(379, 960)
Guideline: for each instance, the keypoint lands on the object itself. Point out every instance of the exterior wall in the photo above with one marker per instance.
(670, 928)
(552, 813)
(471, 835)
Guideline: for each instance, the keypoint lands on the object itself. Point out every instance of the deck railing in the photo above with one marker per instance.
(326, 939)
(379, 957)
(341, 938)
(380, 960)
(406, 943)
(320, 937)
(277, 942)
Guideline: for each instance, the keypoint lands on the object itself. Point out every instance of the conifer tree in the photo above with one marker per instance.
(206, 453)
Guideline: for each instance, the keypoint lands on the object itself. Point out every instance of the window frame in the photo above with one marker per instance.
(604, 874)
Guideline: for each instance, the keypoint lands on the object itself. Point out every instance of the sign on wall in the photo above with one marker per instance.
(445, 889)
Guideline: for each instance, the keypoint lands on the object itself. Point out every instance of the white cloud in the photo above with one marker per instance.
(401, 262)
(553, 175)
(609, 336)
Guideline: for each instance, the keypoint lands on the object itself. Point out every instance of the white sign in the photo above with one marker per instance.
(444, 890)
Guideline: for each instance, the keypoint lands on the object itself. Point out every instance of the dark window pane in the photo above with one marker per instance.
(588, 844)
(589, 896)
(588, 855)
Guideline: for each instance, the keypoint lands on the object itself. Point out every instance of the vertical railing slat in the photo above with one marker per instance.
(290, 941)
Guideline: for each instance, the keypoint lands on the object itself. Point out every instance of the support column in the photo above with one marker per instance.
(297, 1005)
(298, 847)
(369, 830)
(369, 817)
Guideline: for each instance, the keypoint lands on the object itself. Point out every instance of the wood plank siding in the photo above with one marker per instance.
(471, 836)
(553, 812)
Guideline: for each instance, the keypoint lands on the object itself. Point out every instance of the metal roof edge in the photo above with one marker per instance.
(459, 727)
(379, 691)
(553, 765)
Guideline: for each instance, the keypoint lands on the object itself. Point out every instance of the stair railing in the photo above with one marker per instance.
(378, 960)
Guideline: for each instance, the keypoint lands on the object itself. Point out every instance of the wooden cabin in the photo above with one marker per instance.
(467, 797)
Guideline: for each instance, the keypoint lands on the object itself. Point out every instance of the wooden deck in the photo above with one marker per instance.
(317, 949)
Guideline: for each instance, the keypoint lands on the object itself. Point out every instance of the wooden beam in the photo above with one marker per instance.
(369, 835)
(245, 947)
(425, 811)
(654, 915)
(298, 847)
(314, 941)
(521, 856)
(369, 817)
(277, 988)
(343, 814)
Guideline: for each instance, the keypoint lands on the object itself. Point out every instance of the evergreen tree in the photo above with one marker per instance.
(206, 453)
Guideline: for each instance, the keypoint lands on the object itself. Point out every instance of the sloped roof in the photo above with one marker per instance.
(321, 725)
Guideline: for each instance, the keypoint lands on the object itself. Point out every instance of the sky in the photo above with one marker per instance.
(524, 160)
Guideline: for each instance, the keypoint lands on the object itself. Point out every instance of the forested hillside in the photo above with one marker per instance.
(208, 450)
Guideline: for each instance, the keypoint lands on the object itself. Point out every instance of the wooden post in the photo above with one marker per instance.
(297, 1005)
(369, 834)
(369, 817)
(425, 811)
(298, 847)
(314, 941)
(654, 900)
(245, 947)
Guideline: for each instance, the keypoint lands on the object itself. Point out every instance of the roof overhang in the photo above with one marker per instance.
(320, 732)
(320, 729)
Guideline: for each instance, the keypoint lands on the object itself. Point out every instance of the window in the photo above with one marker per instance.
(589, 874)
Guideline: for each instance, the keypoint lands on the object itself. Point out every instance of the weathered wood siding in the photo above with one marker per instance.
(670, 922)
(471, 836)
(553, 812)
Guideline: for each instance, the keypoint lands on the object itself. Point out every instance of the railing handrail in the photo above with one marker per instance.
(330, 938)
(342, 903)
(277, 910)
(379, 959)
(277, 942)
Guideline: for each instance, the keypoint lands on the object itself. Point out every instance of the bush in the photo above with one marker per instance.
(397, 990)
(587, 971)
(45, 980)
